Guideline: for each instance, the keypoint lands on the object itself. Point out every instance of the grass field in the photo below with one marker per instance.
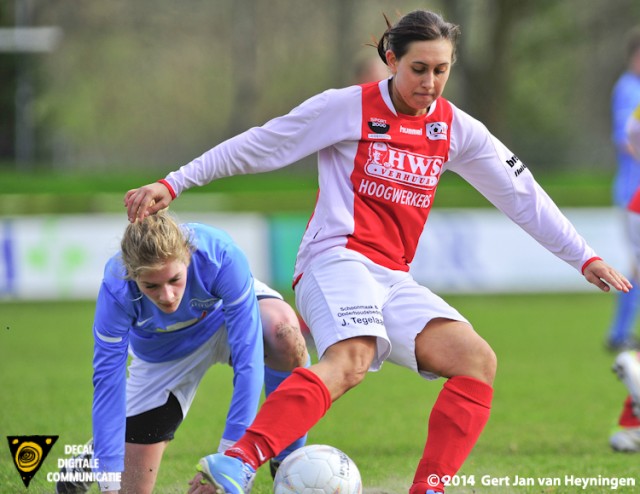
(555, 400)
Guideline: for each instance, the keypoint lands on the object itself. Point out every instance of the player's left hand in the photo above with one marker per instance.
(604, 277)
(198, 485)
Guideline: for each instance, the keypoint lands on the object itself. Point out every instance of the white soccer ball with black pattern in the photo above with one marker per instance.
(317, 469)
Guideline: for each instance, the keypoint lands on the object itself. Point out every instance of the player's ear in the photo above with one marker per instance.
(391, 61)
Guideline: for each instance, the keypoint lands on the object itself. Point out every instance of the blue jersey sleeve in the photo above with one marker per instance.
(111, 338)
(234, 283)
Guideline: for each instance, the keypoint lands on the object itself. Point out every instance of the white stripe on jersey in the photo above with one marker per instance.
(241, 298)
(108, 339)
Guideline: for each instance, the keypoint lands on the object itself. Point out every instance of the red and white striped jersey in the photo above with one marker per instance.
(378, 172)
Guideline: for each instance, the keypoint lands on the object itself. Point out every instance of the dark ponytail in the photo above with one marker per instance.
(419, 25)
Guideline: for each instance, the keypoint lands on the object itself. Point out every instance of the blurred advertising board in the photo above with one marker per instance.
(461, 251)
(63, 256)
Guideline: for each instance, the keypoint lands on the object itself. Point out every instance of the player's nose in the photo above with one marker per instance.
(166, 295)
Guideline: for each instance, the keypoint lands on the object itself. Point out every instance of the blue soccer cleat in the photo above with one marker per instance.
(227, 474)
(421, 487)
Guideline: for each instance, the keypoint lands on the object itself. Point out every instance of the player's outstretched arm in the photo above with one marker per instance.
(604, 277)
(146, 200)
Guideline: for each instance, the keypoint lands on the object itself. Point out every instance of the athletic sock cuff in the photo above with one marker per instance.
(276, 373)
(313, 378)
(472, 389)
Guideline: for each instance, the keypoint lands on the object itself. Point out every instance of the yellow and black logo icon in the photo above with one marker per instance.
(28, 453)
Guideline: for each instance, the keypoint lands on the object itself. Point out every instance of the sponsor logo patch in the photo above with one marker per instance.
(410, 131)
(379, 127)
(399, 166)
(513, 161)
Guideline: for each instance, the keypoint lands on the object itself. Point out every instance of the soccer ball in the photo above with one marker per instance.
(317, 469)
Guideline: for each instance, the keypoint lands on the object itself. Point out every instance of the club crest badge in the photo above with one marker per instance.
(437, 131)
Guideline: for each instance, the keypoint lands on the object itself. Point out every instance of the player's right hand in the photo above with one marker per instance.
(604, 277)
(146, 200)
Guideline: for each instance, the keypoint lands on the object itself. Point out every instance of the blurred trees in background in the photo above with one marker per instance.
(153, 83)
(8, 76)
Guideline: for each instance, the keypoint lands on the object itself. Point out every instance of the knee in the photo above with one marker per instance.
(486, 364)
(451, 349)
(285, 348)
(477, 360)
(349, 361)
(354, 375)
(284, 345)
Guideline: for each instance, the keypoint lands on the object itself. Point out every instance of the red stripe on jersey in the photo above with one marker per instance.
(634, 204)
(396, 171)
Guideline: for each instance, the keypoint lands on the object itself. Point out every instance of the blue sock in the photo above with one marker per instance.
(627, 305)
(272, 379)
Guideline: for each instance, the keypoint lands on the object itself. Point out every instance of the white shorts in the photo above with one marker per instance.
(264, 291)
(343, 294)
(149, 384)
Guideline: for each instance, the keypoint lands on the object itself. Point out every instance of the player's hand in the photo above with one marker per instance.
(604, 277)
(631, 149)
(198, 485)
(146, 200)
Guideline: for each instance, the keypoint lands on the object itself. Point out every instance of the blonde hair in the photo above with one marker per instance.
(150, 243)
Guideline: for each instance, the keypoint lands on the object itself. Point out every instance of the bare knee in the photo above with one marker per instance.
(285, 349)
(482, 363)
(354, 373)
(284, 345)
(452, 348)
(345, 364)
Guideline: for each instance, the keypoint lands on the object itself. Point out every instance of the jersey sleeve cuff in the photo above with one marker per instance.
(584, 266)
(168, 186)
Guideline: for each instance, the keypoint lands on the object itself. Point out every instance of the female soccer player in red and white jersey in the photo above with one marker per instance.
(381, 149)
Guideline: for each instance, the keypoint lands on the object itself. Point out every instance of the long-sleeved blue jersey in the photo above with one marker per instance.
(219, 290)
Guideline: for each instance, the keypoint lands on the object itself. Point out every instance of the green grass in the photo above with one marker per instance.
(555, 399)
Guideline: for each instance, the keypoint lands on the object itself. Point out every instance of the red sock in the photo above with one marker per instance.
(457, 419)
(286, 415)
(627, 417)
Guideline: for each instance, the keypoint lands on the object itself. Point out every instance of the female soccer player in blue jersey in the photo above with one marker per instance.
(381, 149)
(625, 97)
(626, 436)
(178, 299)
